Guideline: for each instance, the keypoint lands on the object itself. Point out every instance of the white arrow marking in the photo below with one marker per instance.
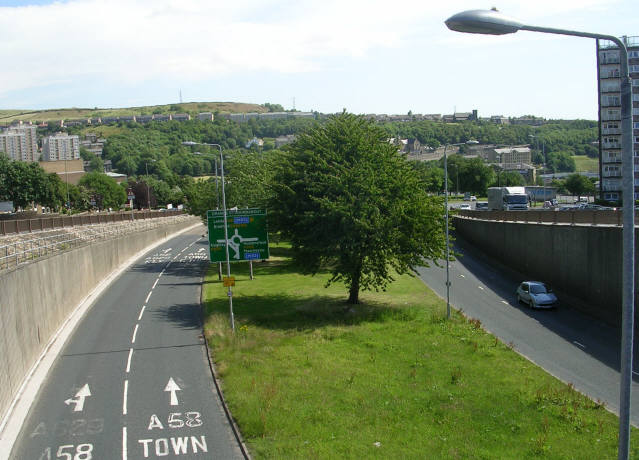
(172, 387)
(80, 395)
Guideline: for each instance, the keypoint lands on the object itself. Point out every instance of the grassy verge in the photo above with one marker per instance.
(390, 378)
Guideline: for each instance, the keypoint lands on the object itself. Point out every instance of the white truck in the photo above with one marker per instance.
(507, 199)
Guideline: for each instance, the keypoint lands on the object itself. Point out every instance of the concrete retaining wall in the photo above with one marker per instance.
(583, 262)
(36, 298)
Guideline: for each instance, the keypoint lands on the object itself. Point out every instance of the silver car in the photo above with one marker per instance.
(536, 294)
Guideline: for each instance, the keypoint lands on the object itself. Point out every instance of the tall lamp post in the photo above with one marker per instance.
(492, 22)
(446, 206)
(226, 232)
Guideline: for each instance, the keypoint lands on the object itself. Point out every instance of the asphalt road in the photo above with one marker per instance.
(134, 381)
(570, 345)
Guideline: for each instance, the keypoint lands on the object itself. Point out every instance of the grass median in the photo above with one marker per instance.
(308, 376)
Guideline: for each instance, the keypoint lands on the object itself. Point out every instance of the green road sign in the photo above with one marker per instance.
(248, 238)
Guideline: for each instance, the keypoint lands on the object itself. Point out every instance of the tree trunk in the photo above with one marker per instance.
(353, 293)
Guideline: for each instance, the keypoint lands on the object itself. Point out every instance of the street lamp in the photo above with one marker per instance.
(446, 206)
(226, 232)
(492, 22)
(545, 161)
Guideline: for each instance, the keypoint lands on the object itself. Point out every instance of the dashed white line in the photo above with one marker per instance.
(480, 288)
(504, 302)
(156, 283)
(579, 344)
(135, 332)
(126, 391)
(462, 275)
(148, 297)
(128, 361)
(141, 312)
(124, 449)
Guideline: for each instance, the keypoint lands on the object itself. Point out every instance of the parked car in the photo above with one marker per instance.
(536, 294)
(481, 206)
(473, 198)
(465, 207)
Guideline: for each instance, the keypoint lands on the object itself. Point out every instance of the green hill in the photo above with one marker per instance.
(193, 108)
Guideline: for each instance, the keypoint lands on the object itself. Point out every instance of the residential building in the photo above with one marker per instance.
(514, 155)
(205, 116)
(61, 146)
(20, 143)
(609, 88)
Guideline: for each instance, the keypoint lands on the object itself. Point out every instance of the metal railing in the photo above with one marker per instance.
(47, 223)
(18, 249)
(577, 217)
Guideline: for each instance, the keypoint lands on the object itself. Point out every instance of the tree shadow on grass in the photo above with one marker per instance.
(298, 312)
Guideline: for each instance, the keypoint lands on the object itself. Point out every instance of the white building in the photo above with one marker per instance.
(61, 147)
(20, 143)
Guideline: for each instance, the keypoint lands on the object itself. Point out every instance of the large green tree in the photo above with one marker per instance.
(351, 204)
(579, 185)
(107, 192)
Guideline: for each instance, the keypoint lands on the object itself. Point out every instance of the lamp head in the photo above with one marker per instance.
(189, 143)
(487, 22)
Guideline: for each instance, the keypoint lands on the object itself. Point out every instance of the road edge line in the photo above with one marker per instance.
(18, 410)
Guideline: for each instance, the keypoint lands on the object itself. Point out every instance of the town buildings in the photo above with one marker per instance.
(60, 146)
(609, 88)
(20, 143)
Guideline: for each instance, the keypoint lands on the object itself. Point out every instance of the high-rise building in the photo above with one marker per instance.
(609, 85)
(61, 146)
(20, 143)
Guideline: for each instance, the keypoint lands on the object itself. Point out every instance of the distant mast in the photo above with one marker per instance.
(180, 96)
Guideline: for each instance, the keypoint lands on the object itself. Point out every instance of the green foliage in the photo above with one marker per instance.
(350, 203)
(107, 192)
(250, 178)
(468, 174)
(508, 179)
(273, 107)
(25, 183)
(96, 164)
(579, 185)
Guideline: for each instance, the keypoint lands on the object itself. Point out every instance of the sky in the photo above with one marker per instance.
(365, 56)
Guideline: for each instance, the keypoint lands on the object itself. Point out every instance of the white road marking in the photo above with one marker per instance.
(504, 302)
(480, 288)
(161, 273)
(124, 449)
(578, 344)
(156, 283)
(135, 332)
(128, 361)
(126, 391)
(148, 297)
(462, 275)
(80, 397)
(141, 312)
(172, 387)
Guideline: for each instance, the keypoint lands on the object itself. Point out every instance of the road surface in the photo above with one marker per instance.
(570, 345)
(134, 381)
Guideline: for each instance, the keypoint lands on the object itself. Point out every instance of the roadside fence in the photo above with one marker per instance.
(16, 249)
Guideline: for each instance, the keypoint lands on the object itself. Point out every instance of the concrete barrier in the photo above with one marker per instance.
(582, 261)
(36, 298)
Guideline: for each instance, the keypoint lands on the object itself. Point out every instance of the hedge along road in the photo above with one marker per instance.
(134, 381)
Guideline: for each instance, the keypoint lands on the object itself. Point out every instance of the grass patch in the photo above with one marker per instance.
(308, 376)
(584, 163)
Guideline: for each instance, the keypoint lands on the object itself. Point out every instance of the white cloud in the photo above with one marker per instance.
(132, 41)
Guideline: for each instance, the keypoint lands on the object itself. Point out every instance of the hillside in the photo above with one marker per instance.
(193, 108)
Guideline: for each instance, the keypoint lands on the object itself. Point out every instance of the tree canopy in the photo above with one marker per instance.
(350, 203)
